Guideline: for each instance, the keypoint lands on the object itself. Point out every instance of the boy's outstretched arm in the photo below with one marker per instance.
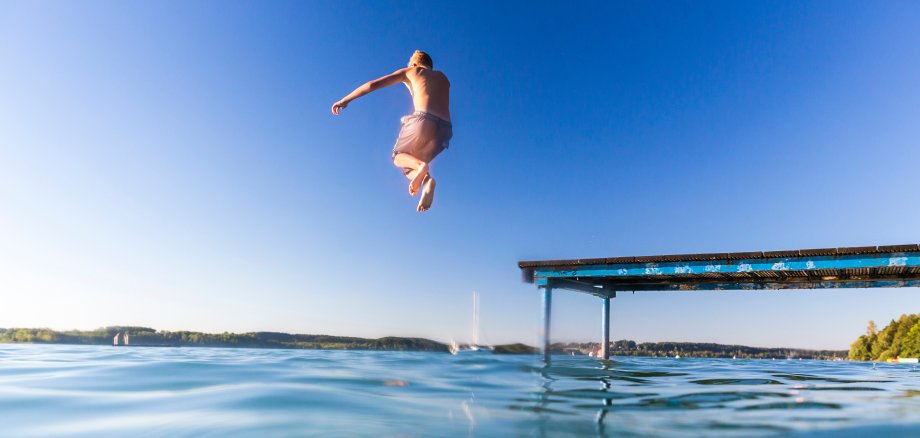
(382, 82)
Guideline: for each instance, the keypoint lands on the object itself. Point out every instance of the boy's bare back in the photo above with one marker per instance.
(430, 91)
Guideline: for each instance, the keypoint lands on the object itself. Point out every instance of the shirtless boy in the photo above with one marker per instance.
(424, 133)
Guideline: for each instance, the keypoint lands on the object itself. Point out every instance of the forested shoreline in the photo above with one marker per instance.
(901, 338)
(703, 350)
(148, 337)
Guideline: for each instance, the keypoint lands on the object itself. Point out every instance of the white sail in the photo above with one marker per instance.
(475, 344)
(475, 318)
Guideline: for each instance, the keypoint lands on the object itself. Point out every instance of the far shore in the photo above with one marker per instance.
(134, 336)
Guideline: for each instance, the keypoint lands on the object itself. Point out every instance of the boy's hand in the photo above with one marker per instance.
(338, 106)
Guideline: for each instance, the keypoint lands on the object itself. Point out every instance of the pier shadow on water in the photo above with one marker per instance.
(705, 397)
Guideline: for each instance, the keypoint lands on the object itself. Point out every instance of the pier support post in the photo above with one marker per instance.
(544, 335)
(605, 329)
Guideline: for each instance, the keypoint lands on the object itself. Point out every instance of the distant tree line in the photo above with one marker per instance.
(900, 338)
(145, 336)
(516, 348)
(693, 349)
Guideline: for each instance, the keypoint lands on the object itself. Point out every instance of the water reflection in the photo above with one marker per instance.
(607, 399)
(635, 395)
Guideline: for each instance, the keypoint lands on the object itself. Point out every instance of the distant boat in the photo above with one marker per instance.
(904, 360)
(475, 346)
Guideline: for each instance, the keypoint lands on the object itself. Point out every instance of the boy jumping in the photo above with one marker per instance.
(424, 133)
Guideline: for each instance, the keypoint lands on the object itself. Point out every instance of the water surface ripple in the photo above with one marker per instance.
(63, 390)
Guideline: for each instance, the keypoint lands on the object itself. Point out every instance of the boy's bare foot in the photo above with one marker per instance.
(424, 203)
(417, 180)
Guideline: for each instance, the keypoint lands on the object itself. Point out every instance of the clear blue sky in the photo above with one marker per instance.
(176, 165)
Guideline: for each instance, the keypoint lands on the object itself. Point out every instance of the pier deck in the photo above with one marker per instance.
(856, 267)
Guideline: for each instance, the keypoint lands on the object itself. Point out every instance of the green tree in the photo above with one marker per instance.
(880, 348)
(23, 335)
(871, 329)
(859, 349)
(897, 339)
(905, 323)
(45, 335)
(910, 345)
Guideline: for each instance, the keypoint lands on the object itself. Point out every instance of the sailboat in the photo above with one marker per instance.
(474, 346)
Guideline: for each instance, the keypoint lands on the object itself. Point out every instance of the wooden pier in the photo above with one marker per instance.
(857, 267)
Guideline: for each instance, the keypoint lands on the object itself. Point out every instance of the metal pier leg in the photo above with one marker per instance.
(544, 335)
(605, 329)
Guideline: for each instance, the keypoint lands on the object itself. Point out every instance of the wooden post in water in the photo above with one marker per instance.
(547, 307)
(605, 329)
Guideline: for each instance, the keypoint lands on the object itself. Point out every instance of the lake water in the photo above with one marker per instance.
(62, 390)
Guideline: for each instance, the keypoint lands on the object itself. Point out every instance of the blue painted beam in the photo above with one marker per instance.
(780, 285)
(733, 266)
(757, 284)
(566, 283)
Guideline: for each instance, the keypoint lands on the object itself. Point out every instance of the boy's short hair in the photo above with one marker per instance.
(421, 58)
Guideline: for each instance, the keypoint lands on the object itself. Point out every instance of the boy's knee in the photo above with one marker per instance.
(402, 168)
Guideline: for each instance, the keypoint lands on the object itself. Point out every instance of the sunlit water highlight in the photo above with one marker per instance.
(51, 390)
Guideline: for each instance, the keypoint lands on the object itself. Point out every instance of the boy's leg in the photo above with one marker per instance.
(417, 174)
(418, 178)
